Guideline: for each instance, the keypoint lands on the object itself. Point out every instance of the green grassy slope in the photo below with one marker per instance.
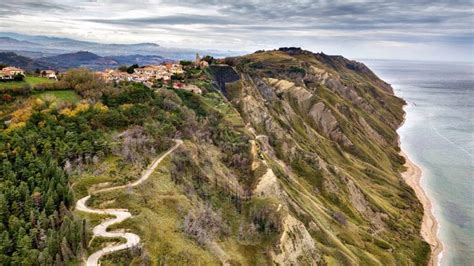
(29, 80)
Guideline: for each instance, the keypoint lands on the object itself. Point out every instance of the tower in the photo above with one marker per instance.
(198, 60)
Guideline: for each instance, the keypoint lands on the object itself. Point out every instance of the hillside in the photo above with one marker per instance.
(12, 59)
(7, 41)
(79, 59)
(62, 62)
(288, 157)
(326, 127)
(140, 60)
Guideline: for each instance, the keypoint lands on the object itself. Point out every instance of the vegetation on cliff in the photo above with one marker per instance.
(289, 157)
(328, 131)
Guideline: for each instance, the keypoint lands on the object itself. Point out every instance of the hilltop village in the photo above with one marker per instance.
(174, 75)
(171, 74)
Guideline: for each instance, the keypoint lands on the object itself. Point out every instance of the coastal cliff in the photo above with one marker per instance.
(326, 127)
(284, 157)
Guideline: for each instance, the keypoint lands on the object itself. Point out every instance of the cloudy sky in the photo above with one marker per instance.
(407, 29)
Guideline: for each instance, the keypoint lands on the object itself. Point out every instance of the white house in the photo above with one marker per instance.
(50, 74)
(8, 73)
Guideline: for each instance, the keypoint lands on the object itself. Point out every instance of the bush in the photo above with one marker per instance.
(185, 63)
(85, 82)
(204, 225)
(18, 77)
(24, 90)
(136, 145)
(122, 68)
(131, 68)
(133, 93)
(339, 217)
(298, 70)
(264, 215)
(7, 97)
(192, 101)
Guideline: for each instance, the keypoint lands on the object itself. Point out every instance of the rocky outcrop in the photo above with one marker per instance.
(223, 74)
(324, 120)
(360, 203)
(333, 82)
(321, 117)
(296, 246)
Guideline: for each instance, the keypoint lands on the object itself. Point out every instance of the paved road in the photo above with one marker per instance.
(120, 215)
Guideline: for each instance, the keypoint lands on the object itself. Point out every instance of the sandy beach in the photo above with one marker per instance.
(429, 226)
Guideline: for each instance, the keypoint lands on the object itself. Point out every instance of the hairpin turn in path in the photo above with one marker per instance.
(120, 215)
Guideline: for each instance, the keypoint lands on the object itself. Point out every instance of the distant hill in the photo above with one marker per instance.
(79, 59)
(139, 59)
(86, 59)
(52, 45)
(30, 54)
(11, 41)
(12, 59)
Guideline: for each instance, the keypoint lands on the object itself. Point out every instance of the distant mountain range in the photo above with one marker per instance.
(78, 59)
(44, 46)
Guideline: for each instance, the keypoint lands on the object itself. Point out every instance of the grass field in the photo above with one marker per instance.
(59, 95)
(216, 101)
(32, 81)
(158, 207)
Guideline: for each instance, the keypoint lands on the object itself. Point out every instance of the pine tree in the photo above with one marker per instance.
(3, 211)
(66, 250)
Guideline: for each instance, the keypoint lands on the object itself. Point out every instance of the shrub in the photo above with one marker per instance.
(264, 214)
(7, 97)
(136, 145)
(204, 225)
(339, 217)
(133, 93)
(18, 77)
(185, 63)
(85, 82)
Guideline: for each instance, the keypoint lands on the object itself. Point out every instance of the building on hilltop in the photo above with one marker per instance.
(203, 64)
(50, 74)
(9, 73)
(200, 63)
(197, 61)
(146, 75)
(187, 87)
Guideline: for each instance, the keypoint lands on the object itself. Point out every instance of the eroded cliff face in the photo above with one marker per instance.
(323, 135)
(295, 161)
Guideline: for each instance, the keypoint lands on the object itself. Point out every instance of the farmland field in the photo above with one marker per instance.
(32, 81)
(59, 95)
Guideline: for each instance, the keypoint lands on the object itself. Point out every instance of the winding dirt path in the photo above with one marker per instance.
(120, 215)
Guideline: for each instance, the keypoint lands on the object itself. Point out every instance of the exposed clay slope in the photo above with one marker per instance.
(326, 128)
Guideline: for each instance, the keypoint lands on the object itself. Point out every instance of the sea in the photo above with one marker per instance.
(438, 136)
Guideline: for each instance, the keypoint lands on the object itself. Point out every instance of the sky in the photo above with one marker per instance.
(406, 29)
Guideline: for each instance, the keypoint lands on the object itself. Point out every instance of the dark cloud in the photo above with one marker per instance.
(179, 19)
(254, 23)
(23, 6)
(262, 15)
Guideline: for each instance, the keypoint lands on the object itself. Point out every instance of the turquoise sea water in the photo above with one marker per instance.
(438, 135)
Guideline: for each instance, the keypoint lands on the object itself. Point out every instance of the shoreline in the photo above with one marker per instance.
(429, 225)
